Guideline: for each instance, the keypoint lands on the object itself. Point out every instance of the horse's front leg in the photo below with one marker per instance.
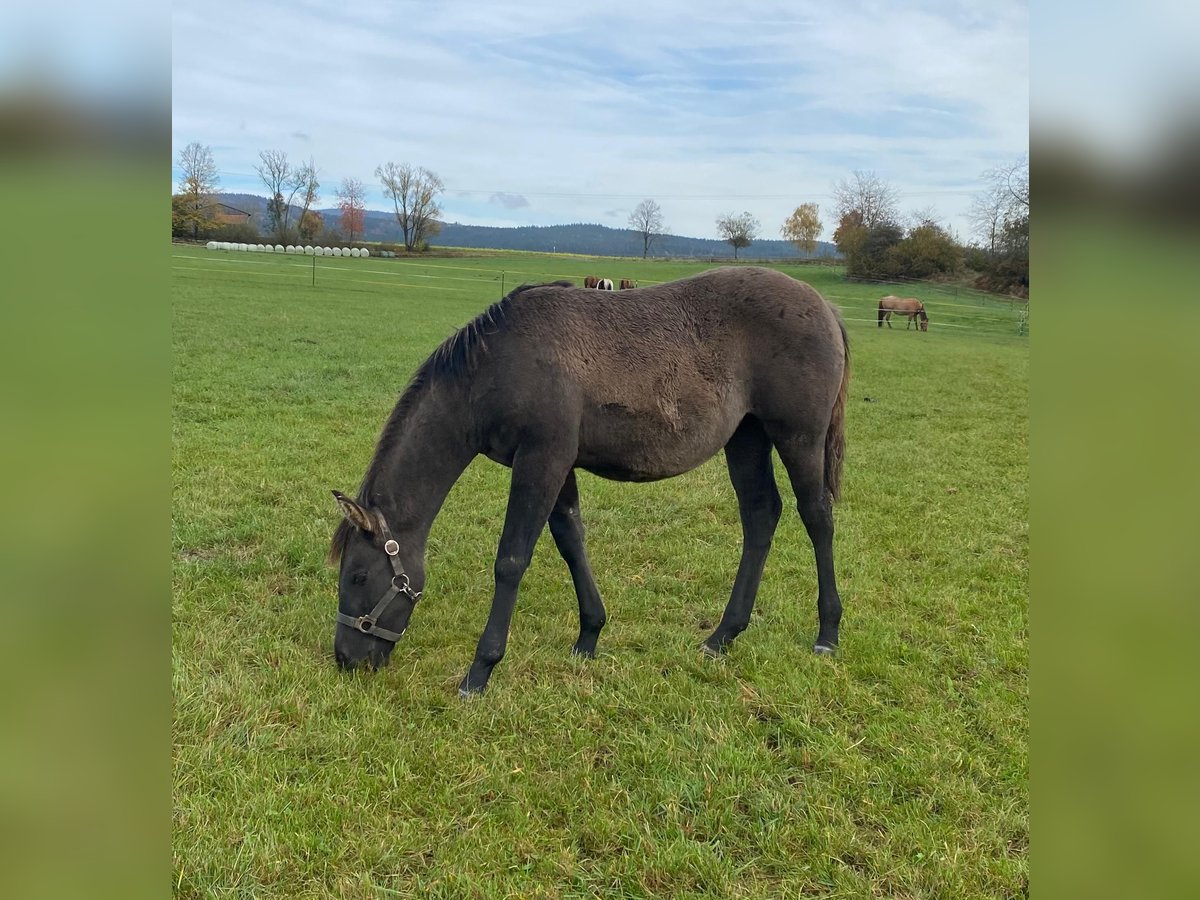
(538, 476)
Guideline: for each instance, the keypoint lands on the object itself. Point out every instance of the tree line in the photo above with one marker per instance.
(871, 235)
(293, 190)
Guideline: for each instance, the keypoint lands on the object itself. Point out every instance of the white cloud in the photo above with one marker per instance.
(584, 109)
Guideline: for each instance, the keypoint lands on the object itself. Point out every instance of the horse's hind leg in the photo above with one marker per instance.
(566, 527)
(805, 463)
(748, 455)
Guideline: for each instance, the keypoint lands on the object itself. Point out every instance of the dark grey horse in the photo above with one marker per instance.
(647, 385)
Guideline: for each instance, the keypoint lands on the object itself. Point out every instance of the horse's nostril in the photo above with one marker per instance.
(343, 661)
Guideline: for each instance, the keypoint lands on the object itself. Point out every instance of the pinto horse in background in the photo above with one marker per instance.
(604, 284)
(590, 281)
(628, 284)
(911, 307)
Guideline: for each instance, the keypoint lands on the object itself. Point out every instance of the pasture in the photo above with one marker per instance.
(898, 769)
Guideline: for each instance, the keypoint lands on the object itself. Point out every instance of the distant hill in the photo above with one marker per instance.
(583, 238)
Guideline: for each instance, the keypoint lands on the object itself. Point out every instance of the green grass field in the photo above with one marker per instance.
(898, 770)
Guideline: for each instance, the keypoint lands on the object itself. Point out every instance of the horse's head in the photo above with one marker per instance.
(378, 586)
(924, 323)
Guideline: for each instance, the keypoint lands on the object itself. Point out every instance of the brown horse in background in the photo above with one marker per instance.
(647, 386)
(590, 281)
(905, 306)
(628, 284)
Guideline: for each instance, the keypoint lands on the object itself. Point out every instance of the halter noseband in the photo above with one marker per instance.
(366, 624)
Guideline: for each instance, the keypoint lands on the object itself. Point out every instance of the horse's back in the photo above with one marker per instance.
(900, 304)
(660, 377)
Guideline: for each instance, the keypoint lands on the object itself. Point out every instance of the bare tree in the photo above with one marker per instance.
(305, 183)
(803, 227)
(646, 219)
(1003, 201)
(413, 192)
(275, 173)
(871, 196)
(740, 231)
(987, 217)
(1013, 181)
(351, 196)
(198, 182)
(925, 217)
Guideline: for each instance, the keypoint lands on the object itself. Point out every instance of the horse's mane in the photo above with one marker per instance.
(455, 357)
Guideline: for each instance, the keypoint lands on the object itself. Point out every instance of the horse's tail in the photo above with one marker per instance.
(880, 316)
(835, 437)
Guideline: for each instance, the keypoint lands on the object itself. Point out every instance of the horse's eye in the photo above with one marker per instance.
(359, 578)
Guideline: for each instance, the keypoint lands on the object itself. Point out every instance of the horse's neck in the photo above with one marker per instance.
(430, 453)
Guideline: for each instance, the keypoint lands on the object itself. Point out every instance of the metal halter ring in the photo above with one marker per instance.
(391, 548)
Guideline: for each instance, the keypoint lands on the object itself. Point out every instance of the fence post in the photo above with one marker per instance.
(314, 268)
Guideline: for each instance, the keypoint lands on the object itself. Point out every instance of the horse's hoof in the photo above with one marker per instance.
(466, 693)
(711, 652)
(824, 650)
(586, 654)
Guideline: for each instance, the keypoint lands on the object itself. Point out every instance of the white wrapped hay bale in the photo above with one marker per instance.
(279, 248)
(364, 252)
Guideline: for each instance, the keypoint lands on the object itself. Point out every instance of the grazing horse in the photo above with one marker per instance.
(628, 284)
(905, 306)
(604, 284)
(643, 388)
(590, 281)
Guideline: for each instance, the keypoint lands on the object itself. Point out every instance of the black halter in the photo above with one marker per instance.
(366, 624)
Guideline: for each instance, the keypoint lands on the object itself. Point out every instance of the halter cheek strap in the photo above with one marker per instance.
(400, 585)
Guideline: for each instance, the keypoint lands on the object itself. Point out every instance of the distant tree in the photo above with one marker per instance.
(738, 231)
(413, 192)
(198, 181)
(1014, 180)
(646, 219)
(874, 199)
(1000, 220)
(803, 227)
(351, 197)
(278, 176)
(305, 184)
(310, 226)
(868, 255)
(184, 221)
(927, 249)
(849, 234)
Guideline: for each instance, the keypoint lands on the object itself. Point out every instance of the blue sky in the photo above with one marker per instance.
(544, 112)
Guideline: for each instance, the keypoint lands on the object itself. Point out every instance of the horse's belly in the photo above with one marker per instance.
(626, 444)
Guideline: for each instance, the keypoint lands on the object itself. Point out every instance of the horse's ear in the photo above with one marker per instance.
(354, 513)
